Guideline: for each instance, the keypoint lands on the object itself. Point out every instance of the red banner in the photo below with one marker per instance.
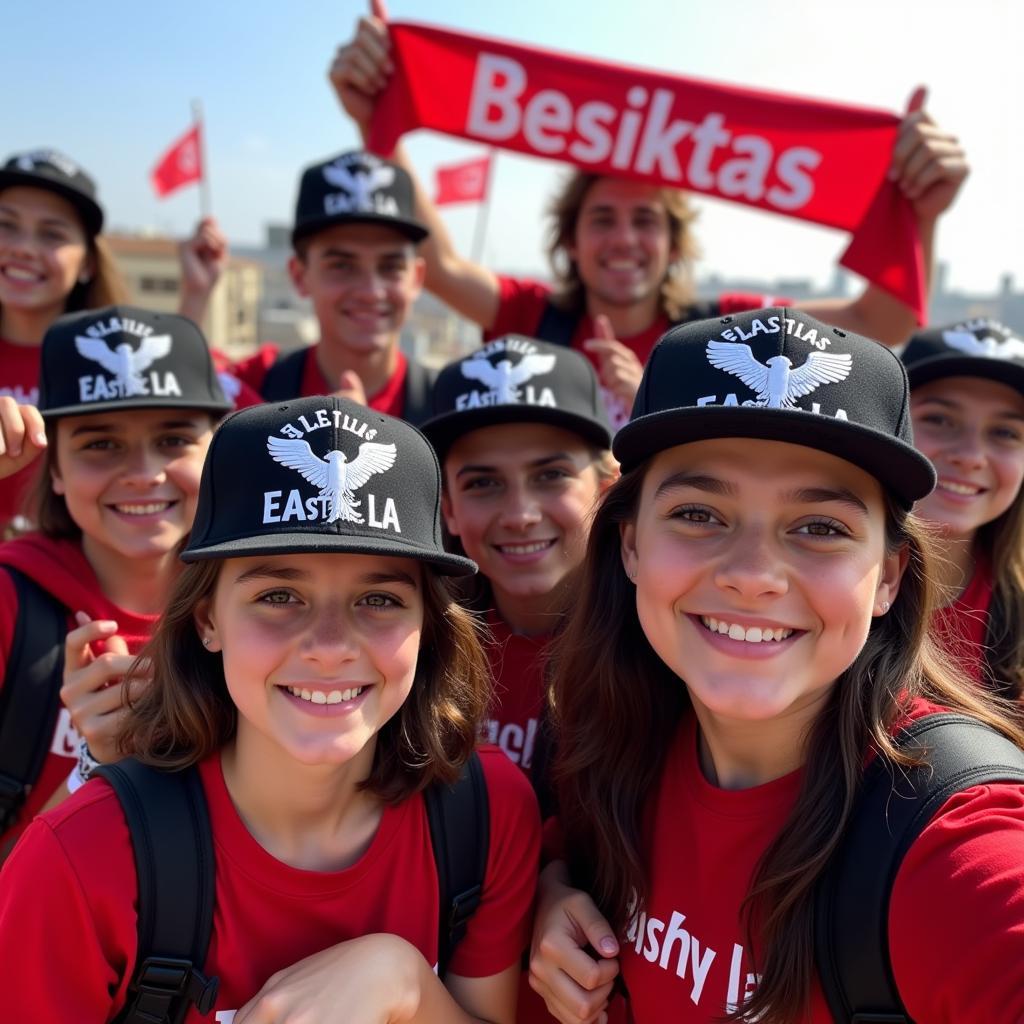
(180, 165)
(816, 161)
(463, 183)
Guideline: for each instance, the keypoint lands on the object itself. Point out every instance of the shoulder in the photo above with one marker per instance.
(507, 786)
(959, 893)
(521, 302)
(253, 369)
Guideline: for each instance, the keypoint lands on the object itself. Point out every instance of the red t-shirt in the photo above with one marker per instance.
(517, 667)
(390, 400)
(61, 569)
(961, 626)
(956, 920)
(67, 900)
(521, 306)
(19, 378)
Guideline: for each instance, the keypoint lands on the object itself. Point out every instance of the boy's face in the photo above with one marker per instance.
(362, 280)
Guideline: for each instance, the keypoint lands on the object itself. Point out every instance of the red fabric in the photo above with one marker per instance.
(823, 162)
(465, 182)
(67, 915)
(960, 627)
(61, 569)
(389, 400)
(180, 165)
(19, 378)
(521, 306)
(957, 910)
(517, 667)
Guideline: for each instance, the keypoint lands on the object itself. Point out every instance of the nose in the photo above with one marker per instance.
(751, 567)
(520, 510)
(330, 639)
(968, 452)
(370, 285)
(143, 467)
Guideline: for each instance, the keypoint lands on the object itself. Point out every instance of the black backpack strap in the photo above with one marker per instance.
(170, 828)
(283, 381)
(460, 825)
(30, 699)
(852, 899)
(418, 406)
(557, 326)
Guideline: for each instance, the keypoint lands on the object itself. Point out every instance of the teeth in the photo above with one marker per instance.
(524, 549)
(948, 485)
(751, 634)
(17, 274)
(143, 510)
(320, 697)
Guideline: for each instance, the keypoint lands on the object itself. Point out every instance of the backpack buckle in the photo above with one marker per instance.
(12, 796)
(463, 908)
(162, 982)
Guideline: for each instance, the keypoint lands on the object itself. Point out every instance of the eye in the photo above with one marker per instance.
(99, 444)
(480, 483)
(553, 475)
(823, 528)
(1007, 435)
(935, 419)
(277, 597)
(696, 515)
(377, 600)
(177, 441)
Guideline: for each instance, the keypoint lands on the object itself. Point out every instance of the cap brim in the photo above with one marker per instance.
(127, 404)
(326, 544)
(900, 468)
(412, 229)
(90, 211)
(1000, 370)
(444, 430)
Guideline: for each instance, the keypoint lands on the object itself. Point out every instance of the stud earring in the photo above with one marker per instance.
(84, 278)
(885, 607)
(206, 641)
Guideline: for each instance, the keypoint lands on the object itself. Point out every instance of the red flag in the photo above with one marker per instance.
(463, 183)
(180, 165)
(818, 161)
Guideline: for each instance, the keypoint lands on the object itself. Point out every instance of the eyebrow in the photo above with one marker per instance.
(544, 460)
(351, 254)
(799, 496)
(949, 403)
(107, 428)
(289, 574)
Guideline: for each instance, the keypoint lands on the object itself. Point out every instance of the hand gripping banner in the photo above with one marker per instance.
(817, 161)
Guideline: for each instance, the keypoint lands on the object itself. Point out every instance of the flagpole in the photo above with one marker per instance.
(480, 228)
(205, 205)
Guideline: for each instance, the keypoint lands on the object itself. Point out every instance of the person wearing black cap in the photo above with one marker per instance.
(53, 260)
(314, 668)
(523, 440)
(129, 399)
(355, 243)
(967, 405)
(751, 630)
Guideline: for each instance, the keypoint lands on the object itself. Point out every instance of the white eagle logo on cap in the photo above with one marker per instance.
(777, 384)
(503, 378)
(988, 347)
(125, 362)
(359, 184)
(337, 478)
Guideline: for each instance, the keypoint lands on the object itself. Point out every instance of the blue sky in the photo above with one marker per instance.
(110, 83)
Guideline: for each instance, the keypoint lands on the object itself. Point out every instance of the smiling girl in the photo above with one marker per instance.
(315, 671)
(967, 404)
(52, 261)
(129, 399)
(752, 630)
(523, 440)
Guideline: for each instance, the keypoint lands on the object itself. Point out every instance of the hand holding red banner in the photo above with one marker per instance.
(821, 162)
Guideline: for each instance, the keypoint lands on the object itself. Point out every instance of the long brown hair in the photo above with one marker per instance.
(677, 290)
(186, 713)
(614, 733)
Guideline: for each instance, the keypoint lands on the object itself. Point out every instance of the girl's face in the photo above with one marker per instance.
(520, 498)
(623, 244)
(43, 249)
(759, 566)
(973, 432)
(319, 650)
(131, 479)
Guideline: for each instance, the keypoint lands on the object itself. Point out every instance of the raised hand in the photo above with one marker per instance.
(22, 435)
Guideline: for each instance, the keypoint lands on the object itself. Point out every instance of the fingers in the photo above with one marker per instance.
(603, 328)
(350, 386)
(77, 649)
(22, 435)
(378, 9)
(918, 99)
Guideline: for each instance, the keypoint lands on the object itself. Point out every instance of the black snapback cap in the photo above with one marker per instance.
(779, 375)
(53, 171)
(515, 379)
(972, 348)
(356, 187)
(125, 357)
(320, 474)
